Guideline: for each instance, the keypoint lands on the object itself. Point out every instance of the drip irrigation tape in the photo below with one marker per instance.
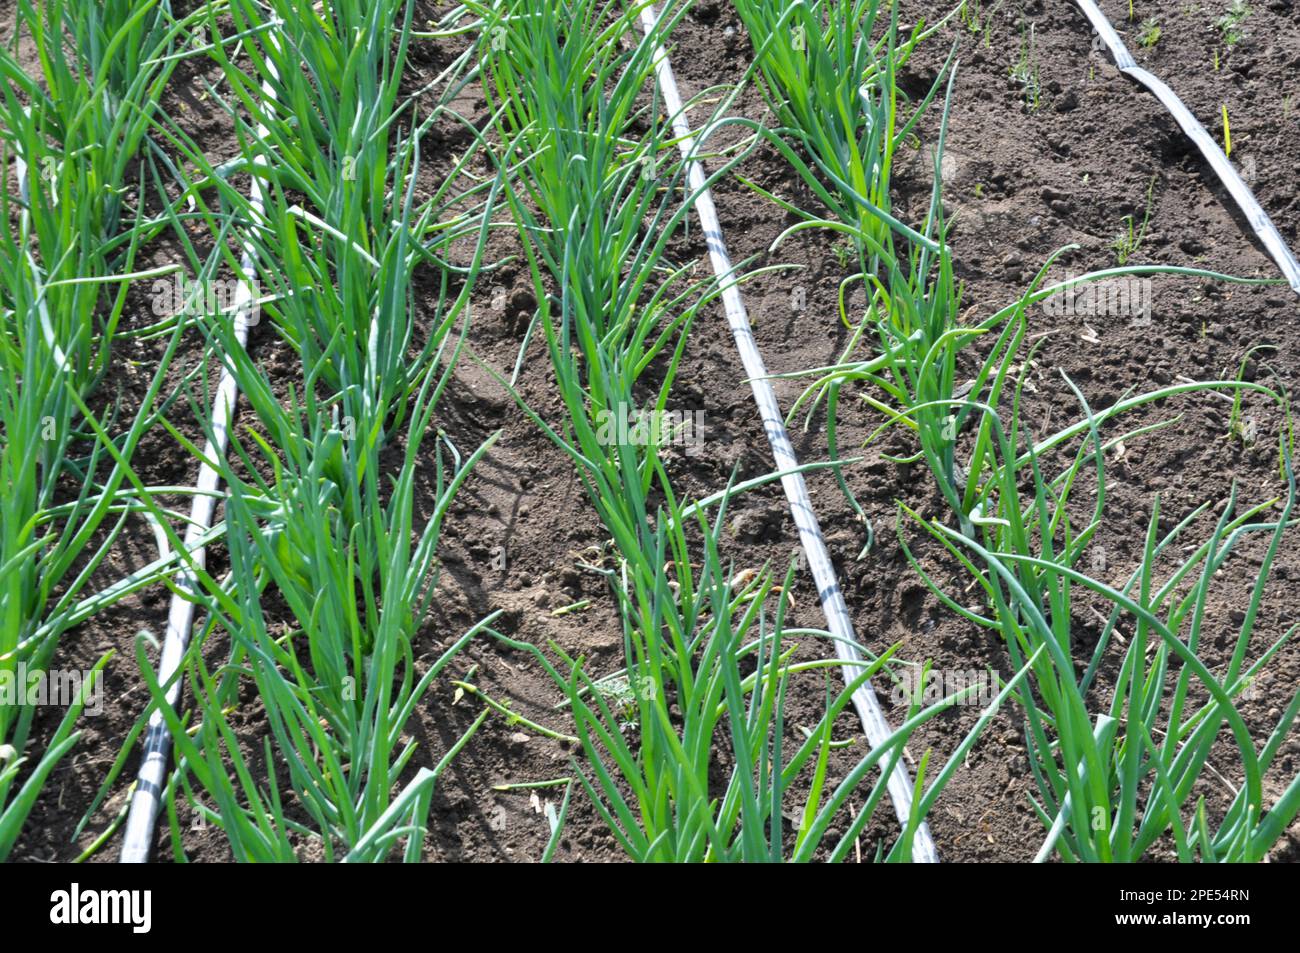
(147, 798)
(1258, 219)
(830, 595)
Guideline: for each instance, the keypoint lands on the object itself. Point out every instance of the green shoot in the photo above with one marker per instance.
(1128, 240)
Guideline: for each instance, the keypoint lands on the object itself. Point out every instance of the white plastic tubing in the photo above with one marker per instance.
(875, 726)
(147, 800)
(1259, 221)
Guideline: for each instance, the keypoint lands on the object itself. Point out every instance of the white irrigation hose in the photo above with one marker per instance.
(147, 800)
(875, 726)
(1259, 221)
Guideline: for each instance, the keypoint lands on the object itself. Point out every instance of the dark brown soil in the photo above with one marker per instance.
(1021, 180)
